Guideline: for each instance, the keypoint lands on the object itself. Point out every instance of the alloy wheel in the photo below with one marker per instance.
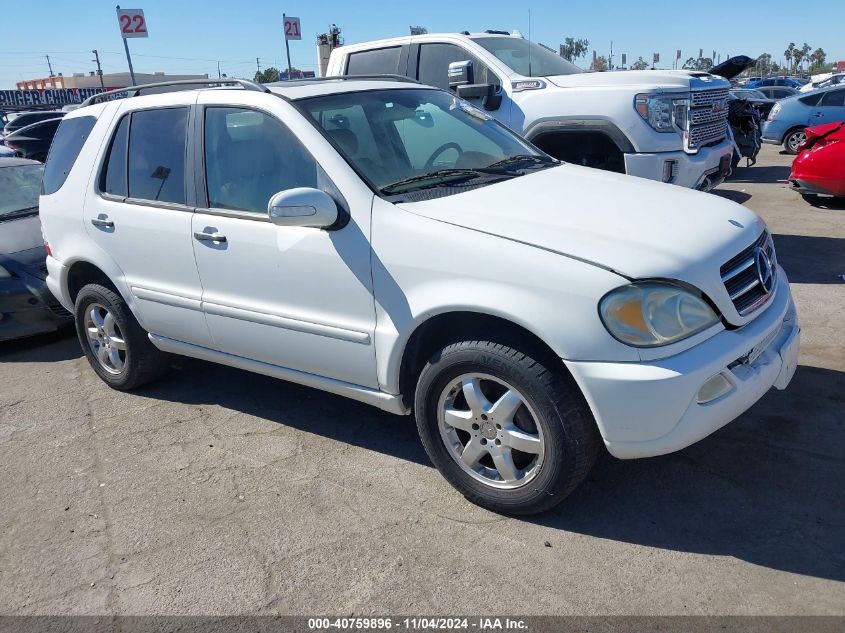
(105, 338)
(490, 430)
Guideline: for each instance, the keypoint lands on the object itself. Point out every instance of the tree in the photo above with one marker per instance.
(599, 63)
(800, 54)
(573, 49)
(702, 63)
(640, 64)
(266, 76)
(818, 58)
(788, 55)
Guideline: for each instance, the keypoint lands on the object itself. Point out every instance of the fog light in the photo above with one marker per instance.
(670, 170)
(715, 387)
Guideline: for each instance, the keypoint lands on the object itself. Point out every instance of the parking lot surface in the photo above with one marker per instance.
(217, 491)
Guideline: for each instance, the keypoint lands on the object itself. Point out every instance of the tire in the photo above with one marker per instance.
(552, 414)
(792, 140)
(129, 359)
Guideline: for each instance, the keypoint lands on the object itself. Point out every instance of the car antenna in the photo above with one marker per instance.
(530, 74)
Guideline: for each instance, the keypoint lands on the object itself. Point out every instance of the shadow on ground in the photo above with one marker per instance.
(766, 489)
(760, 174)
(740, 197)
(45, 348)
(811, 260)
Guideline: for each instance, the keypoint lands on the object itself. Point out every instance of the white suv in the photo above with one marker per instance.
(390, 243)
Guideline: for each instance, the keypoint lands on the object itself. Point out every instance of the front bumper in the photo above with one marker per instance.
(651, 408)
(704, 170)
(27, 308)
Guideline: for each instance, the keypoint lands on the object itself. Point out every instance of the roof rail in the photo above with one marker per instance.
(134, 91)
(387, 76)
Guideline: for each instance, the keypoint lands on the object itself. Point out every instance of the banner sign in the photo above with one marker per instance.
(47, 96)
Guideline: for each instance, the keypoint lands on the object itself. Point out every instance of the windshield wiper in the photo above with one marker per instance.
(19, 213)
(531, 159)
(433, 179)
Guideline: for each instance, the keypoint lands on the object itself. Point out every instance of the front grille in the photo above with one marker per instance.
(742, 279)
(708, 118)
(58, 310)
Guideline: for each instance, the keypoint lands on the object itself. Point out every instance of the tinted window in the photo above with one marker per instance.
(67, 143)
(249, 157)
(812, 99)
(113, 180)
(834, 98)
(375, 62)
(157, 155)
(433, 67)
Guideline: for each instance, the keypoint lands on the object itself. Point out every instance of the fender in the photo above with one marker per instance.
(563, 125)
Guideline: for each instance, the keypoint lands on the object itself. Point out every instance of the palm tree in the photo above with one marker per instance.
(788, 55)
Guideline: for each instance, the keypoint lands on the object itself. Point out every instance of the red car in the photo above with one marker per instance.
(819, 168)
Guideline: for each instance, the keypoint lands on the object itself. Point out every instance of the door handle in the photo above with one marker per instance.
(209, 237)
(817, 114)
(106, 224)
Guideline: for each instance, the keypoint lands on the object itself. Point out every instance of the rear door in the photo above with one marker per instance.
(141, 212)
(830, 108)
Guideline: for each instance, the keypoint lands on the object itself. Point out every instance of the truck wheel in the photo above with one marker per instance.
(793, 140)
(508, 429)
(114, 342)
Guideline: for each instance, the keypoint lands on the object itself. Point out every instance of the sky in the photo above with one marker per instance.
(189, 36)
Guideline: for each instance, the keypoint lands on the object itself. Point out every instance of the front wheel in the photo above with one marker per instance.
(115, 344)
(508, 429)
(793, 141)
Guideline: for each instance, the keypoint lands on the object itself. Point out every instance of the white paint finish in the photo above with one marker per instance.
(591, 97)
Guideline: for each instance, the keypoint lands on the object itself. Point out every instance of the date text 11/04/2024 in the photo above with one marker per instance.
(418, 623)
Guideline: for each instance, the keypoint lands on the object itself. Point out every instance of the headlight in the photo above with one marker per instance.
(665, 113)
(649, 314)
(4, 274)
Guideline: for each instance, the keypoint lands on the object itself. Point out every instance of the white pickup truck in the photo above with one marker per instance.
(669, 126)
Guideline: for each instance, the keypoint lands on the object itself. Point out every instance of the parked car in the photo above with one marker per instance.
(777, 92)
(791, 116)
(26, 305)
(23, 119)
(389, 242)
(33, 141)
(756, 98)
(774, 81)
(819, 169)
(669, 126)
(825, 82)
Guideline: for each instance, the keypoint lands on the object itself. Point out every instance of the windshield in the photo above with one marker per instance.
(405, 140)
(19, 189)
(527, 58)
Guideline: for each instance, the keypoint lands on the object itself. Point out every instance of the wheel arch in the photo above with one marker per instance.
(83, 272)
(791, 129)
(439, 329)
(598, 127)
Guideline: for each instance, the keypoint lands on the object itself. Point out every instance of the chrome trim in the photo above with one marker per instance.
(737, 270)
(165, 298)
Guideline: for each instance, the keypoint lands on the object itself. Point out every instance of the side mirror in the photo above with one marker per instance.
(460, 74)
(302, 206)
(487, 92)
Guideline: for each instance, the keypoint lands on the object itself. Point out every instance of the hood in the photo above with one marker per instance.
(21, 234)
(732, 67)
(639, 79)
(635, 227)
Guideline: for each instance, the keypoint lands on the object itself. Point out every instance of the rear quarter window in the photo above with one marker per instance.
(379, 61)
(68, 142)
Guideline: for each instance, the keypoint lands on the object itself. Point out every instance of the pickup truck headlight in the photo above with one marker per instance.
(650, 314)
(665, 113)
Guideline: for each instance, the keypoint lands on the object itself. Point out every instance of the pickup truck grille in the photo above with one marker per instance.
(708, 118)
(742, 277)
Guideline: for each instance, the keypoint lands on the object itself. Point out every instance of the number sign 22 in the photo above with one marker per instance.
(132, 23)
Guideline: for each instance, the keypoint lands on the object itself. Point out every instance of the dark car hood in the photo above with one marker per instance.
(19, 235)
(730, 68)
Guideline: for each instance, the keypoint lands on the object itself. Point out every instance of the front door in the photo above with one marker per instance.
(295, 297)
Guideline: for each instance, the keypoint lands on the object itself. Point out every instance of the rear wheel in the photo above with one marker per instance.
(115, 344)
(793, 140)
(508, 429)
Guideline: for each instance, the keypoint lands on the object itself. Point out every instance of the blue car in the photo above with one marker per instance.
(789, 117)
(774, 81)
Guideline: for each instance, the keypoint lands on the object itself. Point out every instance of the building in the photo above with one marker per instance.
(91, 80)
